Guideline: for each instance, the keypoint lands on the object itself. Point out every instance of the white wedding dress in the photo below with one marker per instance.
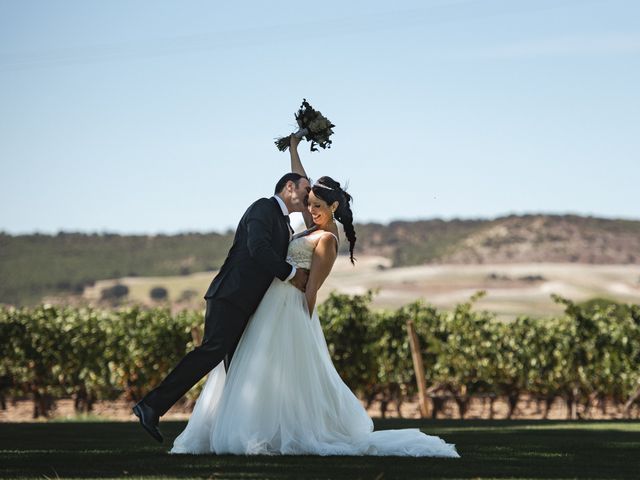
(282, 394)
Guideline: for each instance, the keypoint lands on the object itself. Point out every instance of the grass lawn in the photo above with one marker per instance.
(489, 449)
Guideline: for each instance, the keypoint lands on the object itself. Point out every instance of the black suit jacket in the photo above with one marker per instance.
(257, 256)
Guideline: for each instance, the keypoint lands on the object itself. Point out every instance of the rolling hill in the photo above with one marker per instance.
(36, 265)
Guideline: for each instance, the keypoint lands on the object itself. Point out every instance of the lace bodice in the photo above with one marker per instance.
(300, 251)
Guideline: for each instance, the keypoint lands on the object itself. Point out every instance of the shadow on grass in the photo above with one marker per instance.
(489, 449)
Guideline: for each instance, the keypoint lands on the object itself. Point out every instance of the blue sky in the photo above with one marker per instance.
(157, 116)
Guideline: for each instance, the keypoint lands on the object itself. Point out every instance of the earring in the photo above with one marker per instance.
(333, 216)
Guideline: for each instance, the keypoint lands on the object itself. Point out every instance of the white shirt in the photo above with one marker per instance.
(285, 211)
(283, 206)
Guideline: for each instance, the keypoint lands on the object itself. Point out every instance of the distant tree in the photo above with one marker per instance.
(116, 292)
(63, 285)
(533, 278)
(158, 293)
(187, 295)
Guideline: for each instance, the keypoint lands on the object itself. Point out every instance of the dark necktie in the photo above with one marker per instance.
(288, 220)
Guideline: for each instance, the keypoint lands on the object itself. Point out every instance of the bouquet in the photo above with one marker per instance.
(314, 128)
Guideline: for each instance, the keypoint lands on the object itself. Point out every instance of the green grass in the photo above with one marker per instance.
(489, 449)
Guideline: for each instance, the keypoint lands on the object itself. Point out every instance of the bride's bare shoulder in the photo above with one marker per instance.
(327, 239)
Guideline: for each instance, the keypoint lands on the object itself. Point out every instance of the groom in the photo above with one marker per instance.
(255, 258)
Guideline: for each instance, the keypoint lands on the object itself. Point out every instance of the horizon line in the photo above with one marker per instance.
(366, 222)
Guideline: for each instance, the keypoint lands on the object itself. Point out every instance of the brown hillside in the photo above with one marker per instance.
(512, 239)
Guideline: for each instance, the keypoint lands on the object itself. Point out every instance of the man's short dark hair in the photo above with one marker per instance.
(293, 177)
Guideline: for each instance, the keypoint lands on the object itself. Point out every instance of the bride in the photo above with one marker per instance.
(282, 394)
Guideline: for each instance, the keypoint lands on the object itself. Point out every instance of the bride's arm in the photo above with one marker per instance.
(322, 262)
(296, 167)
(296, 163)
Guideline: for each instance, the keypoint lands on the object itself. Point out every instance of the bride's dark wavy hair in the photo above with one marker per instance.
(335, 193)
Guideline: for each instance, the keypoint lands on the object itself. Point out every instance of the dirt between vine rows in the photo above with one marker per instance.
(120, 410)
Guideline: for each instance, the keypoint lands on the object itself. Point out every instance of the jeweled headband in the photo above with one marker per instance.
(317, 184)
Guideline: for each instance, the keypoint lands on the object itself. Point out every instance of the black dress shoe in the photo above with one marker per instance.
(148, 419)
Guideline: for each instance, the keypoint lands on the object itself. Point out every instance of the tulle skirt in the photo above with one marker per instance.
(282, 395)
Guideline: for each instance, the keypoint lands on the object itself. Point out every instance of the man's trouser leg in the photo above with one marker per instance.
(223, 326)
